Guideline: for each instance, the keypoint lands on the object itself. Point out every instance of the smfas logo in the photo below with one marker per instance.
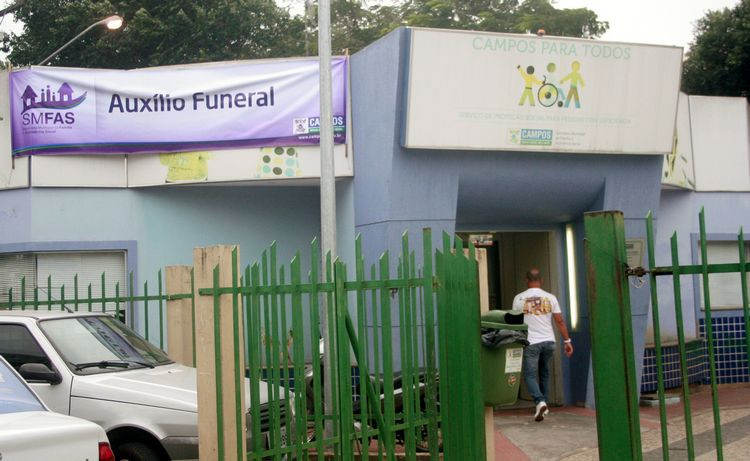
(530, 137)
(54, 103)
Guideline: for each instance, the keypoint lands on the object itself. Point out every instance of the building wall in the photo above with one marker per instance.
(718, 137)
(398, 189)
(167, 223)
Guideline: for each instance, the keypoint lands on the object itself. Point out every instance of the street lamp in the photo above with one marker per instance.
(112, 22)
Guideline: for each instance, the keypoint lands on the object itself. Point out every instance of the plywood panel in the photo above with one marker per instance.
(204, 261)
(179, 315)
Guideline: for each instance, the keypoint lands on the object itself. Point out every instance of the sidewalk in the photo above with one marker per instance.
(569, 433)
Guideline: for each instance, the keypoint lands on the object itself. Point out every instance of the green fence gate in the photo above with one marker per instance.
(616, 389)
(401, 339)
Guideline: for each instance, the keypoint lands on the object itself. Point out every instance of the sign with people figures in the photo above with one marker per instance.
(474, 90)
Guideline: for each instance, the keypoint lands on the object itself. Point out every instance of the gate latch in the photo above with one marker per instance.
(635, 271)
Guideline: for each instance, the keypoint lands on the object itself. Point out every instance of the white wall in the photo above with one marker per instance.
(138, 170)
(13, 174)
(720, 143)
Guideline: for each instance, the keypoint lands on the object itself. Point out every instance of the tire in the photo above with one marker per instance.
(136, 451)
(423, 445)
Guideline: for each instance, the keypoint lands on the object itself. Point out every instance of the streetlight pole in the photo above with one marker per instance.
(327, 190)
(112, 22)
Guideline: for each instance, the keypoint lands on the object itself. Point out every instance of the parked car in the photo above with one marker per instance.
(94, 367)
(30, 432)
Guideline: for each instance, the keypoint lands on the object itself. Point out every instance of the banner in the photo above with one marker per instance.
(172, 109)
(474, 90)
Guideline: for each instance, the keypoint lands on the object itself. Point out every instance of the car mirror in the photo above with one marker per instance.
(39, 372)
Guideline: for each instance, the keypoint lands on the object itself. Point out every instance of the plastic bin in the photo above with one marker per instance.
(501, 365)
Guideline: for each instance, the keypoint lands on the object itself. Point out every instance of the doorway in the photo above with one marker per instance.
(509, 256)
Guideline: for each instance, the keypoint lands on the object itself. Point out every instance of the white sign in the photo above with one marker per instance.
(634, 252)
(513, 360)
(474, 90)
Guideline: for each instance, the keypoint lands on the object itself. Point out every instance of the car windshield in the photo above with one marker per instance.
(15, 396)
(100, 344)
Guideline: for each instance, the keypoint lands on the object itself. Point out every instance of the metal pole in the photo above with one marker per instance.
(327, 188)
(612, 355)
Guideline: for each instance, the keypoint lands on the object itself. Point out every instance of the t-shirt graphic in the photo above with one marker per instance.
(537, 305)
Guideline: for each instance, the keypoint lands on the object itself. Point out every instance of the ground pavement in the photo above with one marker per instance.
(569, 433)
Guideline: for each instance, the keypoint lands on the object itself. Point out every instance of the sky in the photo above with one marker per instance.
(661, 22)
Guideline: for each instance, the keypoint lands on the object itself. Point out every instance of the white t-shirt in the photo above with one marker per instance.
(537, 306)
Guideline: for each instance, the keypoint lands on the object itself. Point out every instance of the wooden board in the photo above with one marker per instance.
(204, 261)
(179, 316)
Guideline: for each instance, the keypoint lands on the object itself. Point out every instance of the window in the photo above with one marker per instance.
(53, 273)
(18, 346)
(13, 268)
(725, 289)
(15, 396)
(62, 267)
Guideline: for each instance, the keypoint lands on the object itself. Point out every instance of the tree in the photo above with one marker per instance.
(159, 32)
(533, 15)
(504, 16)
(355, 25)
(155, 33)
(718, 62)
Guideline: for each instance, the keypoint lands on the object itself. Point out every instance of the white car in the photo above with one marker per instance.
(30, 432)
(96, 368)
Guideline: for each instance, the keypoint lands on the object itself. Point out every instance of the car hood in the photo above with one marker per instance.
(171, 386)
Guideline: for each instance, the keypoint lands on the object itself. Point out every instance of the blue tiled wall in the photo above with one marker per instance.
(729, 353)
(697, 364)
(729, 349)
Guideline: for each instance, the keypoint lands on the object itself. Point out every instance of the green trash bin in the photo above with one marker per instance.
(501, 366)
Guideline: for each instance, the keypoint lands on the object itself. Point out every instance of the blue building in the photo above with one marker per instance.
(506, 140)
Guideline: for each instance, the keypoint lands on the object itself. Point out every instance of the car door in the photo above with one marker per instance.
(18, 345)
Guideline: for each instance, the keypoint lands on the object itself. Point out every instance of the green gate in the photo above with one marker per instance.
(402, 337)
(616, 391)
(400, 341)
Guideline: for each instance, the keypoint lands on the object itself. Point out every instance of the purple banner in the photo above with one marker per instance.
(172, 109)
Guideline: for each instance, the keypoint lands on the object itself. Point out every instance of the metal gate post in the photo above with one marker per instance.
(461, 405)
(615, 388)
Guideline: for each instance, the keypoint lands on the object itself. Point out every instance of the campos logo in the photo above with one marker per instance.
(530, 137)
(53, 104)
(311, 125)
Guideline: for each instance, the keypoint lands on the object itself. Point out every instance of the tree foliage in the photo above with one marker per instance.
(159, 32)
(504, 16)
(719, 59)
(156, 32)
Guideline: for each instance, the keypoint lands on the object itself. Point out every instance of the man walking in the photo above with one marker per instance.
(539, 308)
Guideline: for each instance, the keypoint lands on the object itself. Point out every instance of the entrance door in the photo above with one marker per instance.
(517, 253)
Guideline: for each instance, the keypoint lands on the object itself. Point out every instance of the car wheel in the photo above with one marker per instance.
(135, 451)
(423, 444)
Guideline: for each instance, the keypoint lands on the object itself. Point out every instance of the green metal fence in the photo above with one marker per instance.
(402, 337)
(616, 390)
(123, 303)
(386, 378)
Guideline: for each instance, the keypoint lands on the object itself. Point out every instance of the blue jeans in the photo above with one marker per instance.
(536, 359)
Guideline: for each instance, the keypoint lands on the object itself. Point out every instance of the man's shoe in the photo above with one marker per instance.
(541, 411)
